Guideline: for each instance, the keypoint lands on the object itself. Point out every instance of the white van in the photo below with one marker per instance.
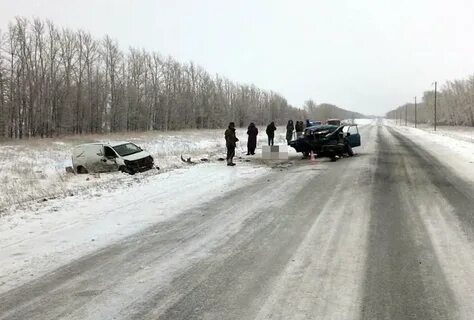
(105, 157)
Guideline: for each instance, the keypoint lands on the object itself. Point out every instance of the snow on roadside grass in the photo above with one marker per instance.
(452, 149)
(456, 132)
(35, 242)
(462, 133)
(34, 170)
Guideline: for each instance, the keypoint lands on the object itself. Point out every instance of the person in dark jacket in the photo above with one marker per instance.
(299, 128)
(230, 142)
(271, 133)
(289, 131)
(252, 140)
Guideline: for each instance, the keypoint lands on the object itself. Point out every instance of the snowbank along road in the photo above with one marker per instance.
(388, 234)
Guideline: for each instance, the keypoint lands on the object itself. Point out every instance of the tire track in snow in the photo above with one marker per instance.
(125, 273)
(404, 279)
(322, 281)
(237, 279)
(445, 204)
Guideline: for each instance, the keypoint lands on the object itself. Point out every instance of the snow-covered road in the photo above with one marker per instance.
(388, 234)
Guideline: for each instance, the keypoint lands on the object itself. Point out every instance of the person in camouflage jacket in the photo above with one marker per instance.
(230, 142)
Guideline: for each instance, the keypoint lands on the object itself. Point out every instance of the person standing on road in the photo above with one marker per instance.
(299, 128)
(289, 131)
(252, 140)
(230, 142)
(271, 133)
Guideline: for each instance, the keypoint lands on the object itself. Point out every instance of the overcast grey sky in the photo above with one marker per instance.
(364, 55)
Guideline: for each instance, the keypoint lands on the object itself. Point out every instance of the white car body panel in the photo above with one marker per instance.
(91, 157)
(136, 156)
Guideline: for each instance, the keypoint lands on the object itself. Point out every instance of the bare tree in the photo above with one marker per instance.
(58, 81)
(3, 109)
(455, 105)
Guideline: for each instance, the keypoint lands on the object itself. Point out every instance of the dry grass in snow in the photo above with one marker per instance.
(34, 170)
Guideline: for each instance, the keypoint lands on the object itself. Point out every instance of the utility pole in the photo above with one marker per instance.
(406, 114)
(435, 106)
(415, 111)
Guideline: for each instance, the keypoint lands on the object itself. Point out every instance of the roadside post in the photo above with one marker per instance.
(406, 114)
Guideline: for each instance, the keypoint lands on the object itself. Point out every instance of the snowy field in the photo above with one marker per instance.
(35, 241)
(34, 170)
(62, 216)
(51, 217)
(456, 132)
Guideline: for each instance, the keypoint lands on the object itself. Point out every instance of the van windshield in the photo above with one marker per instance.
(127, 149)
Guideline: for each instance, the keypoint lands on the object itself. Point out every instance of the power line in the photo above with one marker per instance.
(415, 111)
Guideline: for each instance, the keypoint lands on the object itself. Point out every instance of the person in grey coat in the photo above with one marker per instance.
(289, 131)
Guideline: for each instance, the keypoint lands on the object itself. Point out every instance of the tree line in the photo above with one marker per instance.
(56, 81)
(326, 111)
(454, 105)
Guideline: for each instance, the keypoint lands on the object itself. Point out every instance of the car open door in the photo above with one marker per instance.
(353, 136)
(109, 160)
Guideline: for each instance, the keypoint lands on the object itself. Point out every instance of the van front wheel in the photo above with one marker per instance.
(81, 170)
(124, 169)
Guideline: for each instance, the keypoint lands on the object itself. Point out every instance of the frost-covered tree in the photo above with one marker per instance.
(56, 81)
(455, 105)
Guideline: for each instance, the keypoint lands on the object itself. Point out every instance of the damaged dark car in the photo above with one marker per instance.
(328, 141)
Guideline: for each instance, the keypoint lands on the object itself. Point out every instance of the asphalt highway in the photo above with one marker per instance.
(387, 234)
